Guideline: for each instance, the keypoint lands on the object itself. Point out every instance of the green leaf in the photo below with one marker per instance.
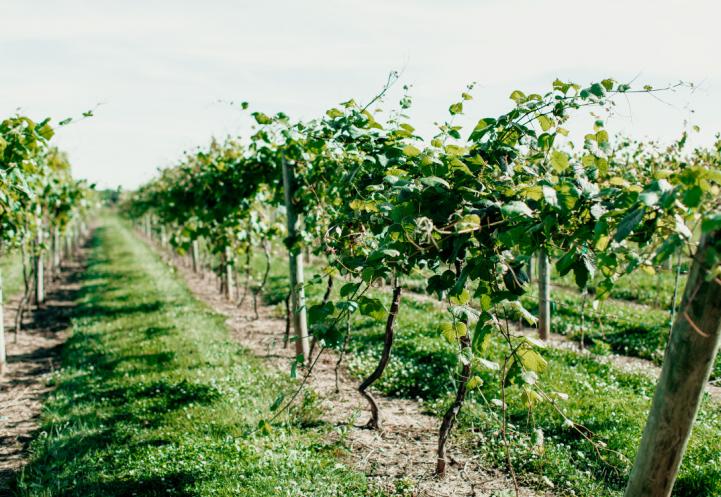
(469, 222)
(481, 337)
(484, 123)
(264, 427)
(545, 123)
(349, 289)
(486, 302)
(319, 312)
(411, 151)
(46, 131)
(516, 209)
(565, 263)
(462, 299)
(453, 331)
(527, 316)
(474, 383)
(549, 195)
(584, 269)
(334, 113)
(518, 96)
(629, 223)
(711, 223)
(532, 360)
(530, 397)
(435, 181)
(489, 365)
(692, 196)
(372, 307)
(456, 108)
(559, 161)
(597, 90)
(261, 118)
(277, 402)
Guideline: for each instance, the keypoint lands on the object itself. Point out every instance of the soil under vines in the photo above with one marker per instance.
(32, 360)
(402, 451)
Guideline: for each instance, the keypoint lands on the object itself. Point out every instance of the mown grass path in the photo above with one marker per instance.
(155, 399)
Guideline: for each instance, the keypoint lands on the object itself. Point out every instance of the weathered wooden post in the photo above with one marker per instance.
(195, 254)
(39, 259)
(295, 257)
(56, 248)
(3, 354)
(544, 301)
(228, 269)
(689, 358)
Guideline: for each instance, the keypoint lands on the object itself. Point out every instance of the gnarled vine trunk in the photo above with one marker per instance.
(450, 416)
(374, 422)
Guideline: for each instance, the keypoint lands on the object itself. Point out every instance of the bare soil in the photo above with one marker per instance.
(402, 452)
(33, 356)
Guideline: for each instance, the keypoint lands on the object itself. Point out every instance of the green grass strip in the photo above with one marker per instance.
(155, 399)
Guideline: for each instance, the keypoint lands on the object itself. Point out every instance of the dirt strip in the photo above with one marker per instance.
(402, 453)
(32, 359)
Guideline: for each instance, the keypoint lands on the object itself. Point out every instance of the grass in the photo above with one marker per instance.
(545, 451)
(655, 290)
(153, 399)
(616, 325)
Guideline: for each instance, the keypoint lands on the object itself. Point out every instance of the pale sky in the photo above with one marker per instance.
(167, 70)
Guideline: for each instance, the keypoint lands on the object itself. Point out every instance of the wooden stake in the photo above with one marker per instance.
(3, 354)
(195, 254)
(687, 364)
(300, 320)
(39, 262)
(544, 301)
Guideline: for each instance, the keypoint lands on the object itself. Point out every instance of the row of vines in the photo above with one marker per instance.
(42, 210)
(469, 211)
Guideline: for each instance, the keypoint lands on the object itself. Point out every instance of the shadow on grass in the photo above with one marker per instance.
(99, 407)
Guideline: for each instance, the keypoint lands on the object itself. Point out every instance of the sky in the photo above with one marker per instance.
(165, 76)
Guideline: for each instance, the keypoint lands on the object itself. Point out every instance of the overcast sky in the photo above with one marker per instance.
(166, 71)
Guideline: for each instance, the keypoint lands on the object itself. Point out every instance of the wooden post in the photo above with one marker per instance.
(68, 247)
(300, 320)
(3, 354)
(229, 285)
(687, 364)
(75, 238)
(195, 254)
(39, 261)
(544, 301)
(56, 250)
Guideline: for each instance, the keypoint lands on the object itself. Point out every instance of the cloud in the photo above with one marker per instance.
(166, 70)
